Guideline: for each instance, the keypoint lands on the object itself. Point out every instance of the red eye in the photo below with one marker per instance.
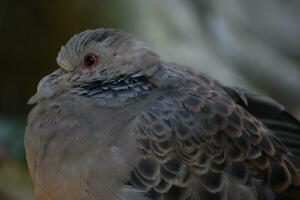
(90, 60)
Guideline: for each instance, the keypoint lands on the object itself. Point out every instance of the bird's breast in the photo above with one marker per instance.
(74, 147)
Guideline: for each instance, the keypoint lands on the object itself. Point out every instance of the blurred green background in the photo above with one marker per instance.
(253, 44)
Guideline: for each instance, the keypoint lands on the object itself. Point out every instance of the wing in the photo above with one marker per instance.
(272, 114)
(198, 143)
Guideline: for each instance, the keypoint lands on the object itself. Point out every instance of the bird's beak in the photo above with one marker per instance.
(62, 61)
(45, 86)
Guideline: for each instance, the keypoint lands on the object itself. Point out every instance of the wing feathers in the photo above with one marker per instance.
(272, 114)
(187, 138)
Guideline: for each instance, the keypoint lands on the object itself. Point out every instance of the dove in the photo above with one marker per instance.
(115, 121)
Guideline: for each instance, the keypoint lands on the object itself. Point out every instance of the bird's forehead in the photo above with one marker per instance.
(97, 36)
(80, 40)
(98, 41)
(70, 53)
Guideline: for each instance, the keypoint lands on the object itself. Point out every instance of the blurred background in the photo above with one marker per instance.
(252, 44)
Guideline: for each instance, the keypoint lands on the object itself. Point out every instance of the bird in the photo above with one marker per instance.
(115, 121)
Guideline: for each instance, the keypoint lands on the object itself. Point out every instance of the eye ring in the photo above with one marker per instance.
(90, 60)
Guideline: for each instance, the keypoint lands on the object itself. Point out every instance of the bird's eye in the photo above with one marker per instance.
(90, 60)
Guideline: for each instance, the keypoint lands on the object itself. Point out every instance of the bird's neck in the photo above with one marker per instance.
(120, 91)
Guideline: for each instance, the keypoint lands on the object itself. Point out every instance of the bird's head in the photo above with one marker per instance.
(100, 55)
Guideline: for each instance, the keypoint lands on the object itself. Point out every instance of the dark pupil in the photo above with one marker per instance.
(90, 60)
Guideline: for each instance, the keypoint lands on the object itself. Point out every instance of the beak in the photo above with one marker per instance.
(62, 61)
(46, 86)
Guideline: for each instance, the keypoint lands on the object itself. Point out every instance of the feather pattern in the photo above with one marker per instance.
(199, 135)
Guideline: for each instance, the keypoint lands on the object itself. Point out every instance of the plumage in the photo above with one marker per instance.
(137, 127)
